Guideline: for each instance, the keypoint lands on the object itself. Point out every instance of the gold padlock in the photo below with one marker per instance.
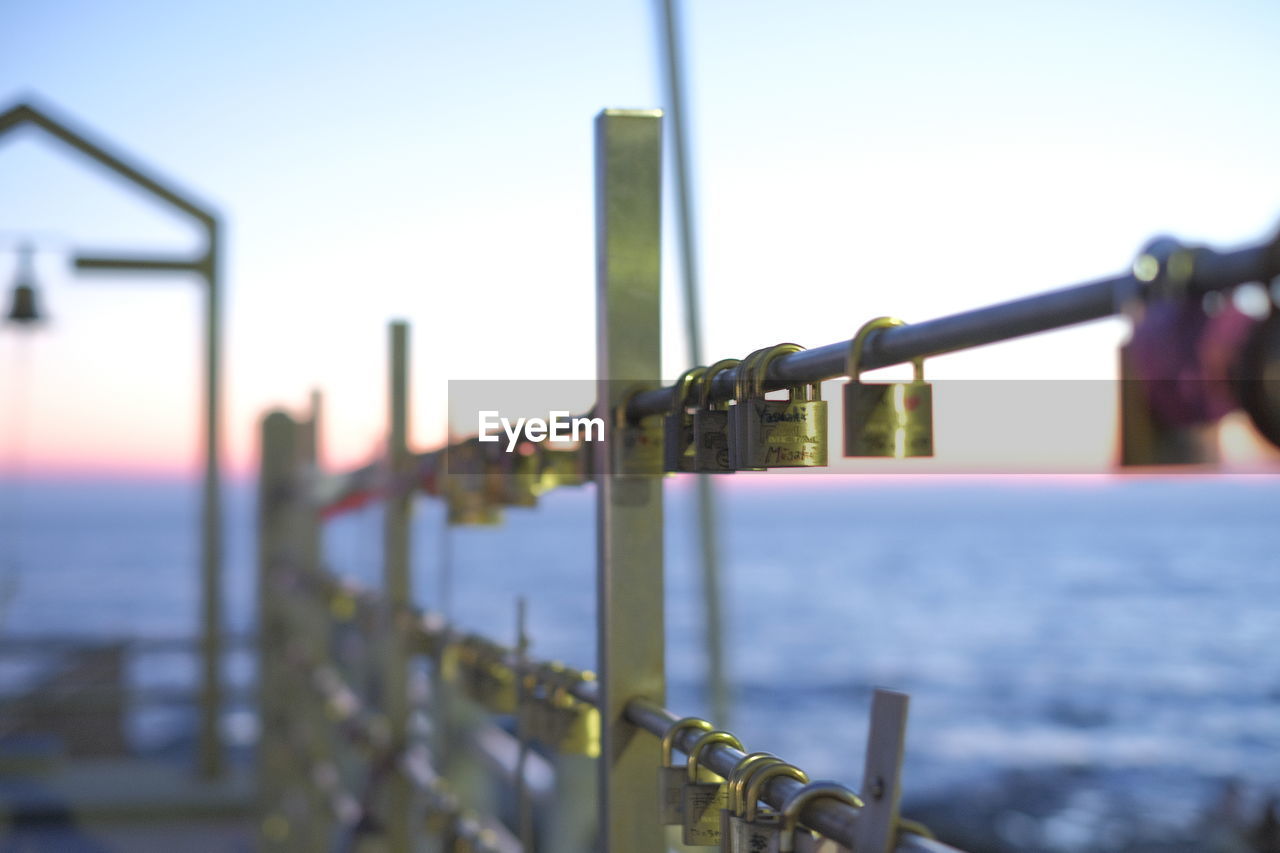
(464, 486)
(511, 478)
(730, 815)
(573, 726)
(531, 715)
(759, 828)
(542, 722)
(677, 425)
(795, 804)
(711, 425)
(788, 433)
(701, 801)
(494, 684)
(561, 468)
(671, 779)
(886, 419)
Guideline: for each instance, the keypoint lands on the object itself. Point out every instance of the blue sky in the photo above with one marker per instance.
(433, 161)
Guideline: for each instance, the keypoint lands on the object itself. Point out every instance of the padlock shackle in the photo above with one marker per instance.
(742, 381)
(796, 802)
(854, 359)
(703, 742)
(760, 367)
(704, 383)
(737, 777)
(752, 796)
(686, 383)
(669, 737)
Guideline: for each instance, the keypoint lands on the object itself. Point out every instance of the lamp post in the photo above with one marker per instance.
(205, 265)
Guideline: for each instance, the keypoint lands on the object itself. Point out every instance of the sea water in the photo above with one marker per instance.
(1082, 653)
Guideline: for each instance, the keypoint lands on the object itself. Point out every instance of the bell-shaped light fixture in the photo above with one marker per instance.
(23, 306)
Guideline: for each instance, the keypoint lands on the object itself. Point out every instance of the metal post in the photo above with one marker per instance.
(629, 582)
(211, 525)
(524, 803)
(395, 579)
(275, 551)
(708, 552)
(314, 608)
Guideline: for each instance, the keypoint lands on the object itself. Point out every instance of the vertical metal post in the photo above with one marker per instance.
(314, 608)
(395, 579)
(524, 803)
(210, 746)
(629, 579)
(708, 552)
(275, 552)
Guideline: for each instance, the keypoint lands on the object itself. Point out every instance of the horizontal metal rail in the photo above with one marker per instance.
(31, 644)
(831, 818)
(1211, 271)
(1206, 270)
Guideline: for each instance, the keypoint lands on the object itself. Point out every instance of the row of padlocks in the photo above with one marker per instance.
(747, 432)
(726, 812)
(753, 433)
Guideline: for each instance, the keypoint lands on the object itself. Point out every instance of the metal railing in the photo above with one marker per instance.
(353, 756)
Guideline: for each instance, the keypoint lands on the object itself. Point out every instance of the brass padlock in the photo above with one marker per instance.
(702, 798)
(637, 445)
(888, 419)
(677, 425)
(671, 779)
(795, 804)
(574, 725)
(711, 425)
(531, 715)
(511, 478)
(493, 682)
(788, 433)
(561, 468)
(759, 828)
(730, 815)
(738, 413)
(539, 719)
(464, 486)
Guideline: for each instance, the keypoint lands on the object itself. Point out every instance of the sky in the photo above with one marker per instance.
(433, 161)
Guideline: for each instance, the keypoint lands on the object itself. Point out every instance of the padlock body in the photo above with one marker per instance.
(574, 727)
(561, 468)
(759, 836)
(700, 812)
(739, 457)
(677, 441)
(532, 720)
(511, 479)
(785, 434)
(493, 685)
(711, 441)
(888, 419)
(671, 782)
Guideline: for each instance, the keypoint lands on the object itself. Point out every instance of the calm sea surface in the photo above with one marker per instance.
(1115, 642)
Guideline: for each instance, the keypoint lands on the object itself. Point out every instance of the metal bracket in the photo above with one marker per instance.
(876, 828)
